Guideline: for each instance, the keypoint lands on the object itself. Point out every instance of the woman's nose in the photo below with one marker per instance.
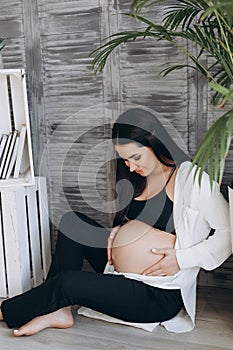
(132, 166)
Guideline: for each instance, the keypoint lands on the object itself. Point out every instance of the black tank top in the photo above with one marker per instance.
(156, 211)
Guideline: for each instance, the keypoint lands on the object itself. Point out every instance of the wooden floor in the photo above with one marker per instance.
(214, 330)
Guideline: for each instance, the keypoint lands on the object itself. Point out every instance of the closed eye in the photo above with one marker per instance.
(134, 157)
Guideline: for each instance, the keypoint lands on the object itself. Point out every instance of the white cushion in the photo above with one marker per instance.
(98, 315)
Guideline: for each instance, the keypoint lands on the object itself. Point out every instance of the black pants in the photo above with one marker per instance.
(115, 295)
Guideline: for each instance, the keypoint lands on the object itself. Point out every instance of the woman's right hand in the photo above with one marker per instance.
(110, 240)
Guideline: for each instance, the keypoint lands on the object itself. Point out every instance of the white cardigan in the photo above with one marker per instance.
(196, 210)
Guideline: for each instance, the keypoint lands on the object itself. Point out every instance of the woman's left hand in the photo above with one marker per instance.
(166, 266)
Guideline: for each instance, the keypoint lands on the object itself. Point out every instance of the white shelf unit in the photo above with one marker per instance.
(14, 113)
(25, 251)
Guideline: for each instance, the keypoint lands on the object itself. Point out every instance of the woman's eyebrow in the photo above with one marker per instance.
(133, 155)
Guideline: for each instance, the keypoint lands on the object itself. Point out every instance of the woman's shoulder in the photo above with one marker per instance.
(188, 170)
(184, 172)
(186, 167)
(188, 176)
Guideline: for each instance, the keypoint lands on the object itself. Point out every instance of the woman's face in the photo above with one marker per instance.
(140, 159)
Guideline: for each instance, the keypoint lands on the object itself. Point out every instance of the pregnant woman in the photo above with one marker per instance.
(165, 229)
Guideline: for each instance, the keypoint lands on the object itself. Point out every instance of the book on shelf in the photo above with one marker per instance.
(5, 153)
(14, 153)
(10, 152)
(13, 159)
(21, 164)
(3, 144)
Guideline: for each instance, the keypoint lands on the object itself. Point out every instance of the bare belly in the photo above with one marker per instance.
(131, 249)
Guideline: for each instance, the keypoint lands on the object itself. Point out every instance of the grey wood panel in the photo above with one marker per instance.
(14, 56)
(34, 78)
(69, 32)
(141, 82)
(69, 104)
(11, 28)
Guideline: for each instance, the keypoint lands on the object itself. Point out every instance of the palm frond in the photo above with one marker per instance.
(225, 10)
(138, 5)
(217, 98)
(222, 91)
(160, 31)
(184, 13)
(203, 35)
(102, 53)
(214, 148)
(170, 69)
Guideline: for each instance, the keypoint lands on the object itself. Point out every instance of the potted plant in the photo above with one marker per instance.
(209, 25)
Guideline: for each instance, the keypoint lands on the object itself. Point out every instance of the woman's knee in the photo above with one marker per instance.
(73, 220)
(71, 225)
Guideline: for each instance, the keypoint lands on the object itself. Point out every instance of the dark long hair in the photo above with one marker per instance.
(141, 126)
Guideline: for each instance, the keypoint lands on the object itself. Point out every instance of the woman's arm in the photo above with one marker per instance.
(110, 241)
(213, 251)
(210, 252)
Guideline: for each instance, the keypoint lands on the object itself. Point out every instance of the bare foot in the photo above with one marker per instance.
(61, 318)
(1, 316)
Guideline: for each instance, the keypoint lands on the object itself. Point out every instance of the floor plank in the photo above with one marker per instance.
(213, 331)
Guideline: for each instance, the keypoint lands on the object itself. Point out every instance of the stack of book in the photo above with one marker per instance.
(11, 153)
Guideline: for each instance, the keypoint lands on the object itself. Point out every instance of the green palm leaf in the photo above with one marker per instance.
(214, 148)
(168, 70)
(102, 53)
(138, 5)
(183, 13)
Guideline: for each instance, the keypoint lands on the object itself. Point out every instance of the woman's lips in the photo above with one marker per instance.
(140, 172)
